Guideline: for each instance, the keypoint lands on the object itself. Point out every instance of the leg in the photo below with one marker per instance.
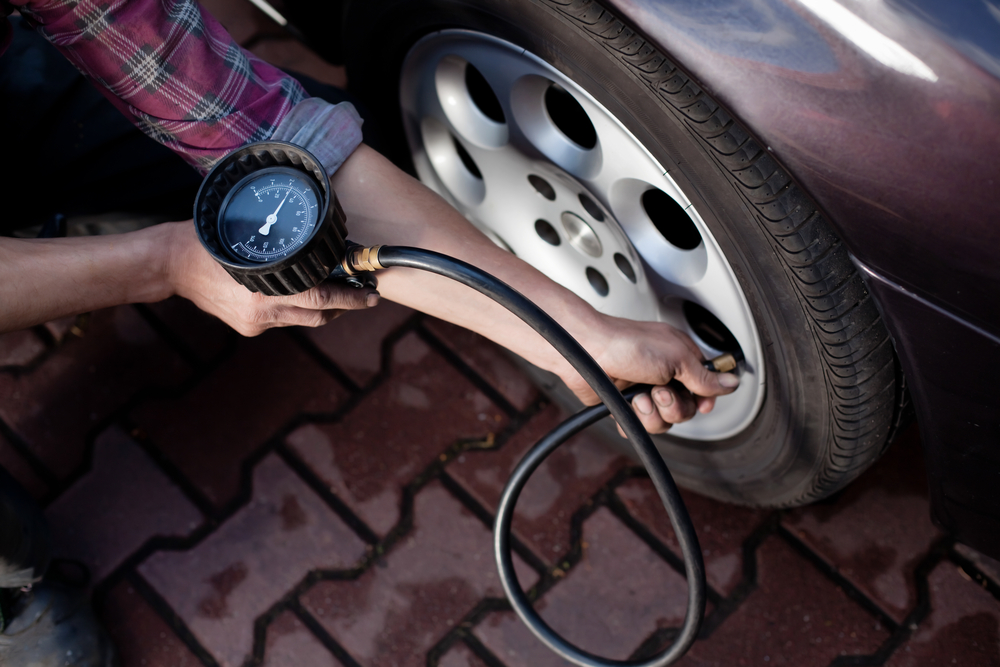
(41, 623)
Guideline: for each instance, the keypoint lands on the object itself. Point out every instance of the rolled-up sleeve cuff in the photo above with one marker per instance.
(331, 132)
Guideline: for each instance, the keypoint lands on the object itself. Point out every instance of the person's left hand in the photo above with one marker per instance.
(194, 275)
(654, 353)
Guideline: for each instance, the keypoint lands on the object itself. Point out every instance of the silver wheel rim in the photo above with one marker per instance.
(623, 264)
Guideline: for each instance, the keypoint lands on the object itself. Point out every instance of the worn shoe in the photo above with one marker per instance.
(52, 625)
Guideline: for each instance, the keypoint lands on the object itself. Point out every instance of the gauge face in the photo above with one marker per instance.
(269, 215)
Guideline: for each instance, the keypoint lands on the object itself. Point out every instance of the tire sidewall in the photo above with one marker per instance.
(775, 459)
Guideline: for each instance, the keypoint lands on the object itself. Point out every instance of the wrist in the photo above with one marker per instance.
(173, 258)
(590, 328)
(153, 249)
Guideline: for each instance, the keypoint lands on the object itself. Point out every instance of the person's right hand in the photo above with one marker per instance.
(194, 275)
(652, 353)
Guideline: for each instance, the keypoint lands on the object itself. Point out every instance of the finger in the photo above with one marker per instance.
(293, 316)
(705, 403)
(326, 296)
(674, 404)
(648, 414)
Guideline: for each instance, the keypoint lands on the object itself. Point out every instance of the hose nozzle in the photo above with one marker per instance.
(361, 258)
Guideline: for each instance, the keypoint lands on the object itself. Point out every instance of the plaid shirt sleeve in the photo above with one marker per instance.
(180, 78)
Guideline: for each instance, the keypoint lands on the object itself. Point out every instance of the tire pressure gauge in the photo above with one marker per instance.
(267, 214)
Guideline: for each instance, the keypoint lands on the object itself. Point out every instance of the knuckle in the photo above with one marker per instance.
(316, 298)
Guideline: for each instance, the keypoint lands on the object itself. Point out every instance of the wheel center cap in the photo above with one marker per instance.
(581, 235)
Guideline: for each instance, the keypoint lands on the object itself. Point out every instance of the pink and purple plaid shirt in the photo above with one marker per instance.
(180, 78)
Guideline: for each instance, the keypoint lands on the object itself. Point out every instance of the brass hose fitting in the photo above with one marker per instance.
(360, 258)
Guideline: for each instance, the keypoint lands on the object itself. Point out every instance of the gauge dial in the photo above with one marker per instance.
(269, 214)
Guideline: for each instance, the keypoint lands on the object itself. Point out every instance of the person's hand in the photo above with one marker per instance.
(194, 275)
(654, 353)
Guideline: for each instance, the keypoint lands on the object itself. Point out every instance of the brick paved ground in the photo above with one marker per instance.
(338, 512)
(335, 509)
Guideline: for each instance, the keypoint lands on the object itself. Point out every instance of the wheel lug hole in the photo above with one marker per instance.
(597, 281)
(591, 207)
(625, 267)
(547, 232)
(542, 187)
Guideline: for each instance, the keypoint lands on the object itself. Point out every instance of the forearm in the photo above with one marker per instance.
(43, 279)
(172, 70)
(385, 206)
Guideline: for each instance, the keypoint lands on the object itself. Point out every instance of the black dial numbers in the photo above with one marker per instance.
(269, 214)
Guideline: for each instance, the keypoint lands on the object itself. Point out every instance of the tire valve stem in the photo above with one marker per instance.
(724, 362)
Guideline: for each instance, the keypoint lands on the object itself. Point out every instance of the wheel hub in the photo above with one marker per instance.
(547, 172)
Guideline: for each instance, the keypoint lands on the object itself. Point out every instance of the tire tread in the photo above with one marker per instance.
(868, 392)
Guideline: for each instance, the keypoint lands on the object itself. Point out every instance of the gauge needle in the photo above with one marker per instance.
(273, 218)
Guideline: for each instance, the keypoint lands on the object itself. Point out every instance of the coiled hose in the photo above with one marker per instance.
(615, 403)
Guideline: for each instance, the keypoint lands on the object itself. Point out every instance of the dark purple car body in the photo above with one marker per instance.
(901, 148)
(888, 114)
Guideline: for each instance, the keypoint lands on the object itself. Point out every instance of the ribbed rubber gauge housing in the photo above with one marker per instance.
(306, 255)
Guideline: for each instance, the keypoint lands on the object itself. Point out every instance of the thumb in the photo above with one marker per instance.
(702, 382)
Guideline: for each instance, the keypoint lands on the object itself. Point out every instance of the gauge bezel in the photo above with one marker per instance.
(243, 183)
(298, 271)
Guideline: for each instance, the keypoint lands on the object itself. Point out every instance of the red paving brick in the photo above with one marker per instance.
(963, 628)
(141, 635)
(19, 348)
(395, 612)
(795, 617)
(210, 430)
(721, 529)
(290, 644)
(114, 510)
(460, 656)
(203, 334)
(613, 599)
(251, 561)
(395, 432)
(354, 340)
(568, 478)
(488, 360)
(56, 406)
(878, 529)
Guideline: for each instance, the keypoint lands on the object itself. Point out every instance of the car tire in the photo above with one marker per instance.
(830, 392)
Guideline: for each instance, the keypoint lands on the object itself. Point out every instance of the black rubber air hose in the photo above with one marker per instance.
(614, 403)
